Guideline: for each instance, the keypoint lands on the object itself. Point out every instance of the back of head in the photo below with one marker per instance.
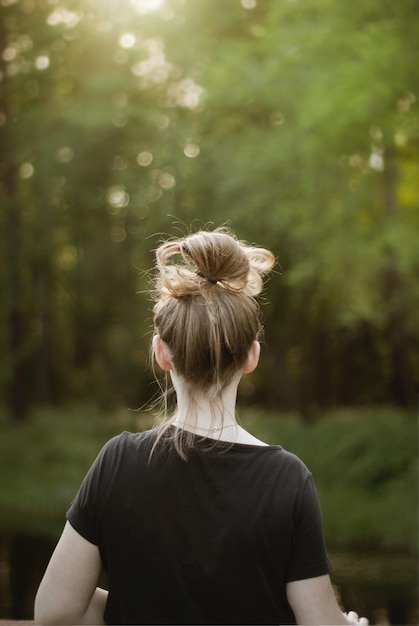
(206, 311)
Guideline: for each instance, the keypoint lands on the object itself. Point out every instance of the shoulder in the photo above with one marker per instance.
(290, 461)
(288, 472)
(128, 439)
(271, 465)
(123, 447)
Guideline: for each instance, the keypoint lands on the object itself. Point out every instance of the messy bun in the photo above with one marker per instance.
(205, 308)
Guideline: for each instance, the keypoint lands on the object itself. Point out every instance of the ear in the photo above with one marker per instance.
(252, 358)
(161, 353)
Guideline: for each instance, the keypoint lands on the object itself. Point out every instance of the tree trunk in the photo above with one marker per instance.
(16, 395)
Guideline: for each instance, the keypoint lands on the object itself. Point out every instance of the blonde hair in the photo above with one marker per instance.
(206, 310)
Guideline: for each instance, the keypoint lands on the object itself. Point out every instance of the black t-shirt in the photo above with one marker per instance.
(211, 540)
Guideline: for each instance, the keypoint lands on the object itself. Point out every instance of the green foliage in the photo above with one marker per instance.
(295, 121)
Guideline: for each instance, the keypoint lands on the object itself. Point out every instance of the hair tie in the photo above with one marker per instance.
(213, 281)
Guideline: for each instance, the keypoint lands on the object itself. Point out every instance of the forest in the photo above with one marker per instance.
(294, 122)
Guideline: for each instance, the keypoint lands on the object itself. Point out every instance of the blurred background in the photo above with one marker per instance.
(296, 123)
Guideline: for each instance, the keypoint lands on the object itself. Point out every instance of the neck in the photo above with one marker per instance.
(197, 412)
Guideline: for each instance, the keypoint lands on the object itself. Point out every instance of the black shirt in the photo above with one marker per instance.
(211, 540)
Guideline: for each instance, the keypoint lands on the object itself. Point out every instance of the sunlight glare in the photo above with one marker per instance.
(144, 158)
(42, 62)
(146, 6)
(191, 150)
(154, 69)
(248, 4)
(376, 162)
(186, 93)
(65, 154)
(166, 181)
(127, 40)
(117, 197)
(70, 19)
(26, 170)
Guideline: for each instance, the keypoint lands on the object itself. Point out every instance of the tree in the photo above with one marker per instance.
(281, 118)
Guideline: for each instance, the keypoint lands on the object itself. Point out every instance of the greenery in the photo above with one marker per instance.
(364, 463)
(297, 122)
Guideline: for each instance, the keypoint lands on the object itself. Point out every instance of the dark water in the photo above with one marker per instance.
(382, 587)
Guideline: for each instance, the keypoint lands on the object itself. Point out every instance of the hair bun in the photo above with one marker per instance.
(212, 259)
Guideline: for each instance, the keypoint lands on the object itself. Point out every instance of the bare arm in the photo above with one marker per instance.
(68, 593)
(313, 601)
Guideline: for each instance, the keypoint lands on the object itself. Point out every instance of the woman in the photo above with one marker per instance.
(196, 521)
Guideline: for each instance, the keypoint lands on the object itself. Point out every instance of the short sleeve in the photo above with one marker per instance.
(84, 510)
(309, 557)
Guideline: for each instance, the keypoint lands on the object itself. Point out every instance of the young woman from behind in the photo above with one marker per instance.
(196, 521)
